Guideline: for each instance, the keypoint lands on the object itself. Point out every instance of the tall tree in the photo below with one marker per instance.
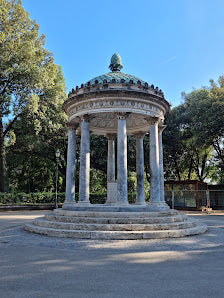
(27, 72)
(206, 110)
(34, 138)
(185, 157)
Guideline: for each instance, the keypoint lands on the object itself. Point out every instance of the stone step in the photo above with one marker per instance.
(116, 235)
(85, 207)
(115, 220)
(169, 213)
(113, 227)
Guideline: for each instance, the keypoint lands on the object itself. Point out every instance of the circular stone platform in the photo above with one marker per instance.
(115, 223)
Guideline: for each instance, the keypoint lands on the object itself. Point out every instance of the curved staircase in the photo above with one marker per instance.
(111, 225)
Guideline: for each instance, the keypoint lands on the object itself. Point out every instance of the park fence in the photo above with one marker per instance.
(195, 199)
(179, 199)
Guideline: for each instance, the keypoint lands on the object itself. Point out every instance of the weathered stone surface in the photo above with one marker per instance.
(111, 193)
(154, 164)
(122, 193)
(116, 235)
(57, 232)
(140, 194)
(115, 225)
(162, 196)
(70, 170)
(114, 213)
(84, 164)
(111, 159)
(115, 220)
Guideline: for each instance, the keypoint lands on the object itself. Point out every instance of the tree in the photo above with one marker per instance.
(184, 157)
(28, 75)
(35, 136)
(206, 108)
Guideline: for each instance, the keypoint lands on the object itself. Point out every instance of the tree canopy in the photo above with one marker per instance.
(32, 87)
(195, 134)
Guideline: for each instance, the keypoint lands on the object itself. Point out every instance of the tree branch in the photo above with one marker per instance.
(9, 127)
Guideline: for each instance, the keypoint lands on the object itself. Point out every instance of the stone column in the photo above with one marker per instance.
(140, 196)
(84, 162)
(70, 169)
(111, 158)
(162, 197)
(111, 183)
(154, 162)
(155, 184)
(122, 194)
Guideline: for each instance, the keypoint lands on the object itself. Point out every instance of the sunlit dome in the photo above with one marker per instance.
(115, 76)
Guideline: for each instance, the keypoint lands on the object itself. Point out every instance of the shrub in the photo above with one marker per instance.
(49, 197)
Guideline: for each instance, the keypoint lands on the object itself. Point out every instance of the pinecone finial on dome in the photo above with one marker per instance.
(115, 63)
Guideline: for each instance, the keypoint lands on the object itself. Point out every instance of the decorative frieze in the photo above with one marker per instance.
(111, 95)
(111, 106)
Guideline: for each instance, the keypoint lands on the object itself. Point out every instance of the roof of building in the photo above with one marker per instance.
(115, 76)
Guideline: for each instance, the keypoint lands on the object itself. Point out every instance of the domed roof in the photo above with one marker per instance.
(115, 76)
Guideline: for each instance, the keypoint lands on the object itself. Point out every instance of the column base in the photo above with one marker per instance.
(83, 204)
(116, 204)
(120, 204)
(68, 205)
(140, 203)
(158, 206)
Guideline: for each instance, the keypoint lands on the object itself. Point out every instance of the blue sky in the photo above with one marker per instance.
(174, 44)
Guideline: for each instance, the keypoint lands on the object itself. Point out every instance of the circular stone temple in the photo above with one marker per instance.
(116, 105)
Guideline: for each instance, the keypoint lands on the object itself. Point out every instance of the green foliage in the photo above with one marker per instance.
(194, 136)
(98, 181)
(32, 91)
(98, 147)
(184, 158)
(49, 197)
(31, 198)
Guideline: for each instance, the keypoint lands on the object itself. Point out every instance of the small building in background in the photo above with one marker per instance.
(216, 196)
(193, 195)
(190, 194)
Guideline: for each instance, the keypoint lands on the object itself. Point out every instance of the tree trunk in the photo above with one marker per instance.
(177, 169)
(190, 169)
(3, 186)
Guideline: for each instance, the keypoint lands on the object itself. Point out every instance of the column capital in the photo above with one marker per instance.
(161, 128)
(111, 136)
(139, 134)
(122, 115)
(152, 120)
(73, 126)
(85, 117)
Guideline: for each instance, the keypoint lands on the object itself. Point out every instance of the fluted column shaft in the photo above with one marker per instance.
(122, 198)
(70, 169)
(140, 196)
(84, 173)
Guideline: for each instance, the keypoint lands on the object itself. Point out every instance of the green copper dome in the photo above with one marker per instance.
(115, 76)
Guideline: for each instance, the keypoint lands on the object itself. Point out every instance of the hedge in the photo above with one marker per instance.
(49, 197)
